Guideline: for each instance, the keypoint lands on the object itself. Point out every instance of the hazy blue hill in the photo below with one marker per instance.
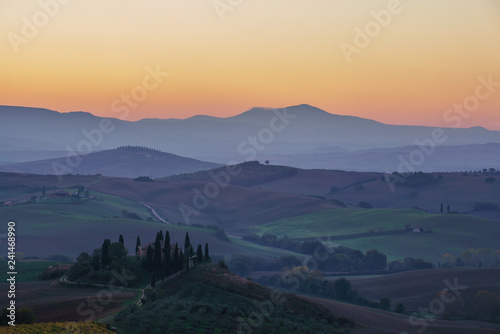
(308, 130)
(121, 162)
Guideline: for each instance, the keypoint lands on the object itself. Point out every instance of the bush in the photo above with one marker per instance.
(144, 179)
(385, 303)
(400, 308)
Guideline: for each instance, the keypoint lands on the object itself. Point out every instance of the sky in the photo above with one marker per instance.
(397, 62)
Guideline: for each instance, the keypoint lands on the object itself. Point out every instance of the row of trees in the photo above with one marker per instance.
(137, 148)
(481, 257)
(302, 279)
(102, 262)
(342, 259)
(161, 261)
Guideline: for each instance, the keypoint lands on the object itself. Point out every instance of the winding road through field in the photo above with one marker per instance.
(155, 213)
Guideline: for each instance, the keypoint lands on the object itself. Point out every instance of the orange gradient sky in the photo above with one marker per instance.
(269, 53)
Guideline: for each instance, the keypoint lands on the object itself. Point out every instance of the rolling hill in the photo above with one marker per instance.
(210, 299)
(122, 162)
(458, 190)
(386, 230)
(419, 287)
(374, 321)
(233, 208)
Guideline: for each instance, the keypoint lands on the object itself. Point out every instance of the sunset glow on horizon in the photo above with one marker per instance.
(420, 62)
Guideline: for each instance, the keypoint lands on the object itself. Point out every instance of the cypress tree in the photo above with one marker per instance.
(105, 252)
(176, 258)
(137, 244)
(161, 235)
(207, 255)
(181, 260)
(199, 254)
(157, 253)
(187, 243)
(166, 253)
(149, 259)
(120, 240)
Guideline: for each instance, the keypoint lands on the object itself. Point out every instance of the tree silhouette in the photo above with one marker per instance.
(137, 244)
(105, 252)
(207, 255)
(149, 259)
(199, 254)
(176, 258)
(187, 243)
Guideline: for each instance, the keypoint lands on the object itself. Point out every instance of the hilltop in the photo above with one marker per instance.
(210, 299)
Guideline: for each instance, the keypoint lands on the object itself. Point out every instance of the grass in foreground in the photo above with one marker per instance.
(57, 328)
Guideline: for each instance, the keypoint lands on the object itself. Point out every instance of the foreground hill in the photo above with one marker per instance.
(122, 162)
(209, 299)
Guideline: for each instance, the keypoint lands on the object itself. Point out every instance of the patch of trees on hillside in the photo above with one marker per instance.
(301, 279)
(161, 260)
(476, 258)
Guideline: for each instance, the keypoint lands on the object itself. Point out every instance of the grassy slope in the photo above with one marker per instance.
(53, 302)
(210, 299)
(317, 181)
(375, 321)
(43, 230)
(23, 186)
(27, 271)
(460, 192)
(234, 208)
(451, 233)
(418, 288)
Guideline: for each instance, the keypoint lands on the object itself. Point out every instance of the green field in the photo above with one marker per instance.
(23, 186)
(336, 222)
(27, 271)
(58, 226)
(450, 233)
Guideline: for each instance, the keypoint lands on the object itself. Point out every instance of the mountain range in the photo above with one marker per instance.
(301, 136)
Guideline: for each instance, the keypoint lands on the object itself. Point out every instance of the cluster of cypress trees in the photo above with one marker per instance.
(171, 262)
